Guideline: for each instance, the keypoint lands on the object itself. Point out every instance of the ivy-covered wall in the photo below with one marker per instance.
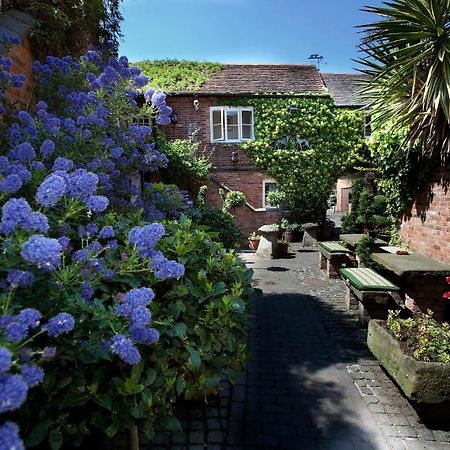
(306, 169)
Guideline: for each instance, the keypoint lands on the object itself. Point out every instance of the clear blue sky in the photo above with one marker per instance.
(245, 31)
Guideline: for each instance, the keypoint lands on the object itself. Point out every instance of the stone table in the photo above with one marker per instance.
(268, 244)
(422, 279)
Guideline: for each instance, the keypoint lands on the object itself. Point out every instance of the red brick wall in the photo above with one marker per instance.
(22, 61)
(238, 175)
(250, 183)
(427, 229)
(190, 120)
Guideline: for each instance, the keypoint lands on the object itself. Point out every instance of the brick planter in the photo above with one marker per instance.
(424, 382)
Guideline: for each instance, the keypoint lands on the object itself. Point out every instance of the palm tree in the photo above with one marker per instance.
(407, 58)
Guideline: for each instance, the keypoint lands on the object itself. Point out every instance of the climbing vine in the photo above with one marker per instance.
(399, 174)
(173, 75)
(305, 143)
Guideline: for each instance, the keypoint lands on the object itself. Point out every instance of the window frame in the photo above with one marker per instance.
(224, 114)
(264, 205)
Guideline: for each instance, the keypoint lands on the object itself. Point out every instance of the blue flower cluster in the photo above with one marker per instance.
(64, 164)
(134, 307)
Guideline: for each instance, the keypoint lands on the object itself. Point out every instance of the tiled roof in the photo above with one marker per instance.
(344, 87)
(244, 79)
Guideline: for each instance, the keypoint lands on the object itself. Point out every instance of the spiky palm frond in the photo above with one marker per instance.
(407, 58)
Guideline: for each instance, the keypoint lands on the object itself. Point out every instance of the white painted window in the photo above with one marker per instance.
(142, 119)
(231, 124)
(268, 186)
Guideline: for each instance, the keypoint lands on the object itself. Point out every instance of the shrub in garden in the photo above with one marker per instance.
(425, 338)
(221, 222)
(90, 281)
(233, 199)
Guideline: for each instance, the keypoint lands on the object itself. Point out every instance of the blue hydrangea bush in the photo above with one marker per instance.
(112, 304)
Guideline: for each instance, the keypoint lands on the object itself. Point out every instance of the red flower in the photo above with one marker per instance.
(446, 295)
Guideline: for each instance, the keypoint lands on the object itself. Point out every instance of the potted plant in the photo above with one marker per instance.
(253, 241)
(283, 247)
(416, 353)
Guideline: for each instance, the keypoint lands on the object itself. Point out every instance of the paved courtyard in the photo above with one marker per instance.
(311, 383)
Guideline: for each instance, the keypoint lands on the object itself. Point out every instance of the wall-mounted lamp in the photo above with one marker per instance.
(196, 104)
(293, 109)
(234, 157)
(174, 117)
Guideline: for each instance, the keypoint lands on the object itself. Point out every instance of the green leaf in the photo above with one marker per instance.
(38, 433)
(73, 399)
(150, 377)
(137, 412)
(55, 439)
(172, 423)
(180, 329)
(181, 384)
(112, 430)
(104, 401)
(194, 359)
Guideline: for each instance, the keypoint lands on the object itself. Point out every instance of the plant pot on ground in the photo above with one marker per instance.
(253, 241)
(399, 344)
(283, 247)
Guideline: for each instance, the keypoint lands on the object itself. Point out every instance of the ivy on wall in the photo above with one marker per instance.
(173, 75)
(400, 174)
(306, 168)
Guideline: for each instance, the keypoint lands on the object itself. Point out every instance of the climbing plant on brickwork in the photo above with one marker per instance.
(322, 145)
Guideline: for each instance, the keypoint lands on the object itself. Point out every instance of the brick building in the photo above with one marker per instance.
(221, 129)
(344, 88)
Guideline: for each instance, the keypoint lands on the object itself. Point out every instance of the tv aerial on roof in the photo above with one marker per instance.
(318, 58)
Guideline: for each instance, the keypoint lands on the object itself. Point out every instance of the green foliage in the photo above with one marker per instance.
(173, 75)
(222, 223)
(423, 336)
(407, 58)
(201, 319)
(276, 198)
(368, 208)
(364, 250)
(201, 197)
(305, 175)
(70, 26)
(185, 167)
(234, 199)
(204, 315)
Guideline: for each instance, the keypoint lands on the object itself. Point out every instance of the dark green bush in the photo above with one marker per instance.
(222, 223)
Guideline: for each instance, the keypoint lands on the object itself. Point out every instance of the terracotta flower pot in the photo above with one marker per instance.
(253, 244)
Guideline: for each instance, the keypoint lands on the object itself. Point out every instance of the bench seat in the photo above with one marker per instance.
(333, 256)
(333, 247)
(370, 293)
(367, 280)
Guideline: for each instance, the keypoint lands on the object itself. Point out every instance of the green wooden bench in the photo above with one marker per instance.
(370, 293)
(333, 256)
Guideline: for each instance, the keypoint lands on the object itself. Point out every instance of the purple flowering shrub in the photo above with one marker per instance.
(107, 313)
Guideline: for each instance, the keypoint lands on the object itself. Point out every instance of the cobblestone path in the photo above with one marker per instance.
(311, 382)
